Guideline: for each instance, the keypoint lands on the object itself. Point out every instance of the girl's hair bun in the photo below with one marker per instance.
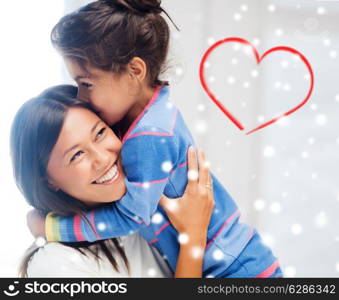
(137, 6)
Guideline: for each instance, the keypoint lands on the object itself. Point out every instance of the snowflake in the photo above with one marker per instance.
(169, 105)
(234, 61)
(296, 229)
(284, 194)
(210, 41)
(275, 207)
(333, 54)
(284, 64)
(321, 219)
(201, 107)
(237, 16)
(101, 226)
(259, 204)
(244, 7)
(197, 252)
(277, 84)
(231, 80)
(327, 42)
(321, 119)
(246, 85)
(157, 218)
(256, 41)
(287, 87)
(290, 271)
(40, 241)
(172, 205)
(146, 185)
(278, 32)
(183, 238)
(166, 166)
(311, 140)
(314, 106)
(192, 175)
(321, 10)
(218, 254)
(151, 272)
(304, 154)
(179, 71)
(269, 151)
(314, 175)
(254, 73)
(283, 121)
(261, 118)
(267, 239)
(271, 8)
(201, 127)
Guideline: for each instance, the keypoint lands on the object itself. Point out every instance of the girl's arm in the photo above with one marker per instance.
(190, 215)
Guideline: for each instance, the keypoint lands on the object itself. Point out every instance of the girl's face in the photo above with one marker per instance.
(112, 96)
(85, 161)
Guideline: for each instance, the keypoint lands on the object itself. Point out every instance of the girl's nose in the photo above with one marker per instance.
(81, 96)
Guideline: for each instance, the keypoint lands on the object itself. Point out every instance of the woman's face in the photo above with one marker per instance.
(112, 96)
(85, 162)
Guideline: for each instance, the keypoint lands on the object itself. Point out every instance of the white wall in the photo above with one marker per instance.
(28, 65)
(291, 196)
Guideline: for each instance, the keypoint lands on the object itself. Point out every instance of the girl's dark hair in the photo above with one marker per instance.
(107, 34)
(34, 133)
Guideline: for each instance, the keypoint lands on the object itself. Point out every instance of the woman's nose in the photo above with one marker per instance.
(100, 160)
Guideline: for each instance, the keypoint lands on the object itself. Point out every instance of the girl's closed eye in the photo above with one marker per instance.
(86, 85)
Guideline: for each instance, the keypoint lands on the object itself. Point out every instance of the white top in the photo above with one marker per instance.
(56, 260)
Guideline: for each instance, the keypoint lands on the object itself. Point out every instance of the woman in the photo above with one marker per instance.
(67, 160)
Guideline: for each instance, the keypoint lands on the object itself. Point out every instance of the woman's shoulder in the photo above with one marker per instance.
(57, 260)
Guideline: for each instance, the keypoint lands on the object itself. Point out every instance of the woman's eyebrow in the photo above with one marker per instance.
(77, 145)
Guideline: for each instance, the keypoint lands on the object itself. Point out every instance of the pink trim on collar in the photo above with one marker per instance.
(154, 97)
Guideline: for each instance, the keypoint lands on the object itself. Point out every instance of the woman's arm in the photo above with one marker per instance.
(190, 215)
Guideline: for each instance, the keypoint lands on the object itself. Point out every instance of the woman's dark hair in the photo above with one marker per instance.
(34, 133)
(107, 34)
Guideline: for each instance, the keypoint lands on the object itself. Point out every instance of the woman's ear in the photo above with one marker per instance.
(52, 185)
(137, 68)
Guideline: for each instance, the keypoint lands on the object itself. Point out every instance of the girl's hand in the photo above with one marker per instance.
(191, 213)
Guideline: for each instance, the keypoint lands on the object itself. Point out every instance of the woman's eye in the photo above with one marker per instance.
(101, 133)
(76, 155)
(86, 85)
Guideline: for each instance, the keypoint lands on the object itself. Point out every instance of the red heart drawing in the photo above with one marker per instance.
(258, 59)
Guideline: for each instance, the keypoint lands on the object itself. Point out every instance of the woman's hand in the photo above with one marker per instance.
(190, 215)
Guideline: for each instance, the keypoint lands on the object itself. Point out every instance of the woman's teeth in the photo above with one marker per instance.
(108, 176)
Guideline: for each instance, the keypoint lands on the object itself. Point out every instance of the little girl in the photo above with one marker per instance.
(115, 50)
